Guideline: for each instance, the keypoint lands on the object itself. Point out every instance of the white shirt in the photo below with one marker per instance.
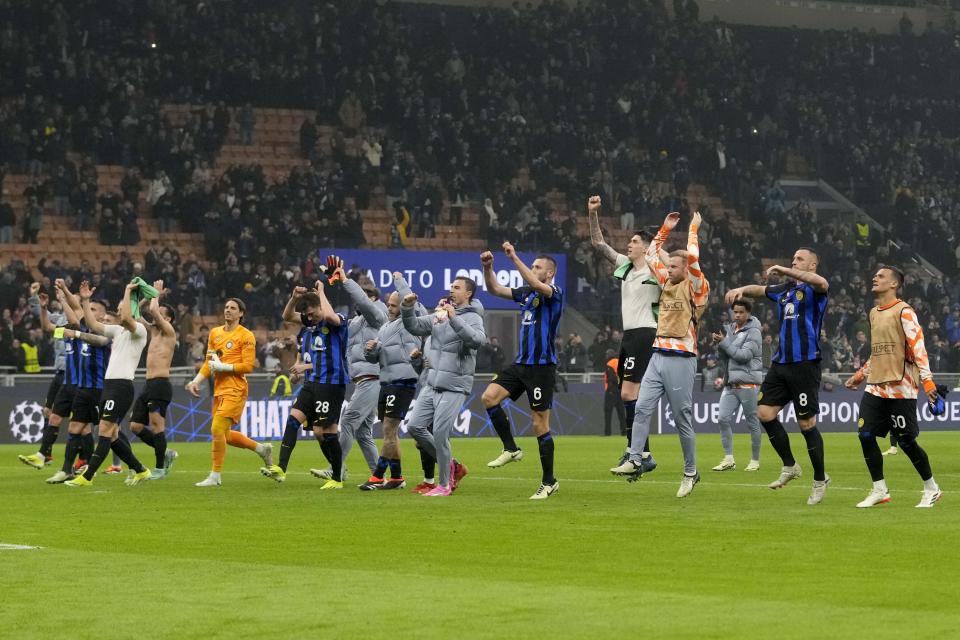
(639, 292)
(125, 350)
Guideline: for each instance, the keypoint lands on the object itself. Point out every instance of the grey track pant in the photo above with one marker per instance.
(670, 376)
(356, 422)
(441, 408)
(730, 399)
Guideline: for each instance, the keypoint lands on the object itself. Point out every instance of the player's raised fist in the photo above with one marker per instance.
(371, 345)
(34, 288)
(44, 299)
(416, 353)
(397, 275)
(86, 291)
(593, 204)
(670, 222)
(158, 285)
(697, 219)
(409, 300)
(508, 250)
(299, 291)
(486, 259)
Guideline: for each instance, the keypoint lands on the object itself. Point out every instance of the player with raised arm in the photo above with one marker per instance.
(322, 364)
(898, 364)
(639, 305)
(149, 418)
(91, 354)
(231, 353)
(456, 332)
(392, 350)
(534, 368)
(49, 322)
(127, 341)
(673, 366)
(795, 373)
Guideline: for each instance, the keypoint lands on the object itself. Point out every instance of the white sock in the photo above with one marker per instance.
(215, 475)
(260, 448)
(430, 480)
(644, 455)
(930, 485)
(728, 458)
(881, 485)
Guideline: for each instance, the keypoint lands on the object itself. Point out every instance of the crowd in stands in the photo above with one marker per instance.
(451, 105)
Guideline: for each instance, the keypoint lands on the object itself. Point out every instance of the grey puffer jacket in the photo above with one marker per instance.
(58, 320)
(452, 352)
(392, 352)
(362, 328)
(740, 353)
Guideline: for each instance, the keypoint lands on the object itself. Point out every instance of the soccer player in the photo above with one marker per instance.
(740, 352)
(322, 363)
(673, 365)
(898, 364)
(392, 350)
(148, 420)
(795, 373)
(49, 321)
(533, 370)
(127, 341)
(91, 354)
(231, 352)
(639, 300)
(456, 332)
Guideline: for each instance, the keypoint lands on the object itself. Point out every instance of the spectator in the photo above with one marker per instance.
(576, 355)
(8, 221)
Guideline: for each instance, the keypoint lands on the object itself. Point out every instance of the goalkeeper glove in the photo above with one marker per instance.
(219, 367)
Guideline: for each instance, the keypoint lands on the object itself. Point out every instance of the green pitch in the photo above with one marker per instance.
(600, 559)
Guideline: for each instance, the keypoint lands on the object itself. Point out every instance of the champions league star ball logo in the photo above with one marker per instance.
(26, 422)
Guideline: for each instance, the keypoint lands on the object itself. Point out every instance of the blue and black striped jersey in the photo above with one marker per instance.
(325, 347)
(801, 310)
(539, 320)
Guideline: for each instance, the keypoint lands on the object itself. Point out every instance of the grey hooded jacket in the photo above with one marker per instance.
(452, 352)
(57, 320)
(392, 352)
(740, 353)
(362, 327)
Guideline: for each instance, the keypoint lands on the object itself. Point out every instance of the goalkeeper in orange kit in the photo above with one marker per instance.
(231, 351)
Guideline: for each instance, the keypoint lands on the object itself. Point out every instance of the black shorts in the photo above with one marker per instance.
(64, 401)
(116, 400)
(55, 383)
(320, 403)
(395, 399)
(536, 380)
(155, 398)
(86, 406)
(881, 416)
(797, 382)
(636, 349)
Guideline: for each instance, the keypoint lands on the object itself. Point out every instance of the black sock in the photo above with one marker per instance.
(630, 409)
(86, 448)
(382, 464)
(97, 458)
(918, 457)
(332, 442)
(121, 447)
(780, 441)
(290, 433)
(545, 442)
(50, 434)
(147, 436)
(502, 426)
(160, 448)
(872, 455)
(74, 443)
(893, 440)
(396, 472)
(815, 447)
(428, 464)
